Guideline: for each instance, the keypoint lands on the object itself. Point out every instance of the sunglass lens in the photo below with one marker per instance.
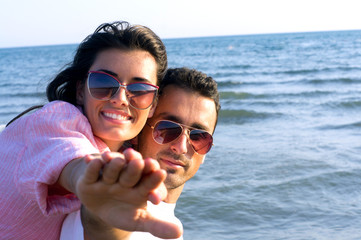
(165, 132)
(141, 95)
(201, 141)
(102, 86)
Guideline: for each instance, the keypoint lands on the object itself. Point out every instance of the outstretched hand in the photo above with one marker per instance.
(114, 191)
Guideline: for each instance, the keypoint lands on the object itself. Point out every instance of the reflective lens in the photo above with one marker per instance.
(166, 131)
(104, 86)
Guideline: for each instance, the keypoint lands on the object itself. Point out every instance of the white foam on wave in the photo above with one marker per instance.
(2, 126)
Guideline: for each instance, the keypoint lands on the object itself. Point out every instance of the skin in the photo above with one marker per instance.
(114, 120)
(119, 197)
(125, 212)
(178, 158)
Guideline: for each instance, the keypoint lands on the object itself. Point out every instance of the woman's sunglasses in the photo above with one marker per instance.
(104, 86)
(165, 131)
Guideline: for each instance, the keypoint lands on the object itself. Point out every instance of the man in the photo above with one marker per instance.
(178, 136)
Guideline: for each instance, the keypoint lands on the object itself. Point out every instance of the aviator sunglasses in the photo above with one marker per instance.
(165, 131)
(103, 86)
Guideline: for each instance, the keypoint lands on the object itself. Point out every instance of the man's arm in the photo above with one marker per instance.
(119, 198)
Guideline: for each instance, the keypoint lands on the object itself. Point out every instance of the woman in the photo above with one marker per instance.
(100, 100)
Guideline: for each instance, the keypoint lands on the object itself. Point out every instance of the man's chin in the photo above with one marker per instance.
(172, 182)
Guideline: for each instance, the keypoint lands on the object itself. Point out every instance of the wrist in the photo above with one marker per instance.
(71, 174)
(95, 228)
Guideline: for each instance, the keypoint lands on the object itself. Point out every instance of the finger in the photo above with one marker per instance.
(108, 156)
(157, 195)
(133, 171)
(155, 198)
(150, 165)
(112, 170)
(130, 154)
(113, 167)
(153, 183)
(89, 157)
(92, 170)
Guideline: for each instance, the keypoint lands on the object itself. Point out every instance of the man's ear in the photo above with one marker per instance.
(152, 108)
(80, 93)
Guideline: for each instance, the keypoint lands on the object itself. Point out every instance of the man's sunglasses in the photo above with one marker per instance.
(165, 131)
(104, 86)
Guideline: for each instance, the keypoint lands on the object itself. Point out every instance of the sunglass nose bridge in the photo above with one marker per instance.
(187, 132)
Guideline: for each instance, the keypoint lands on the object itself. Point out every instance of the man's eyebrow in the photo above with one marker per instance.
(200, 126)
(174, 118)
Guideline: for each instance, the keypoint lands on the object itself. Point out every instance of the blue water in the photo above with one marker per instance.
(286, 162)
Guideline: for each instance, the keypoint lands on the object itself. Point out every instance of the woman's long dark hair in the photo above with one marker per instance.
(118, 35)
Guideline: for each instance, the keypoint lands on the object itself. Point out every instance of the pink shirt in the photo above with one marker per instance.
(33, 151)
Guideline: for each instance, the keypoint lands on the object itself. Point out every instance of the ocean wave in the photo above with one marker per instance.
(236, 95)
(16, 82)
(273, 96)
(23, 94)
(242, 116)
(246, 70)
(329, 179)
(303, 81)
(344, 104)
(232, 83)
(236, 66)
(317, 70)
(352, 125)
(229, 83)
(299, 71)
(325, 177)
(319, 81)
(219, 75)
(9, 109)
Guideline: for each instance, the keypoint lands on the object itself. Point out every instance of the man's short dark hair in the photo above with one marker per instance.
(193, 80)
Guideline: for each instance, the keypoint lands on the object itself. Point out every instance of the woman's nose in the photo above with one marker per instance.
(121, 97)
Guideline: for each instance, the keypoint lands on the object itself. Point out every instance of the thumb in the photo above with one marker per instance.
(162, 228)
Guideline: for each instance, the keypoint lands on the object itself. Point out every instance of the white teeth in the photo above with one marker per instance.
(115, 116)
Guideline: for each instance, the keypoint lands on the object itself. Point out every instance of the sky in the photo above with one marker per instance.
(52, 22)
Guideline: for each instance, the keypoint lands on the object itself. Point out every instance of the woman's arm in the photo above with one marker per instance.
(121, 205)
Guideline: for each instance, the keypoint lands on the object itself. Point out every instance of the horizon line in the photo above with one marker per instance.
(191, 37)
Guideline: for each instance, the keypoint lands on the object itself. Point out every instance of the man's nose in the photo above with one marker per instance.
(180, 145)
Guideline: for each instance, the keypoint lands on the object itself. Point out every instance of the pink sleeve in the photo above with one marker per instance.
(54, 136)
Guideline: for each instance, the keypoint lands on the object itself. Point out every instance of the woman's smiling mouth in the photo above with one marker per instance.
(115, 116)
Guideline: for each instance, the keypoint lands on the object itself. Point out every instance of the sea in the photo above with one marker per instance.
(286, 161)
